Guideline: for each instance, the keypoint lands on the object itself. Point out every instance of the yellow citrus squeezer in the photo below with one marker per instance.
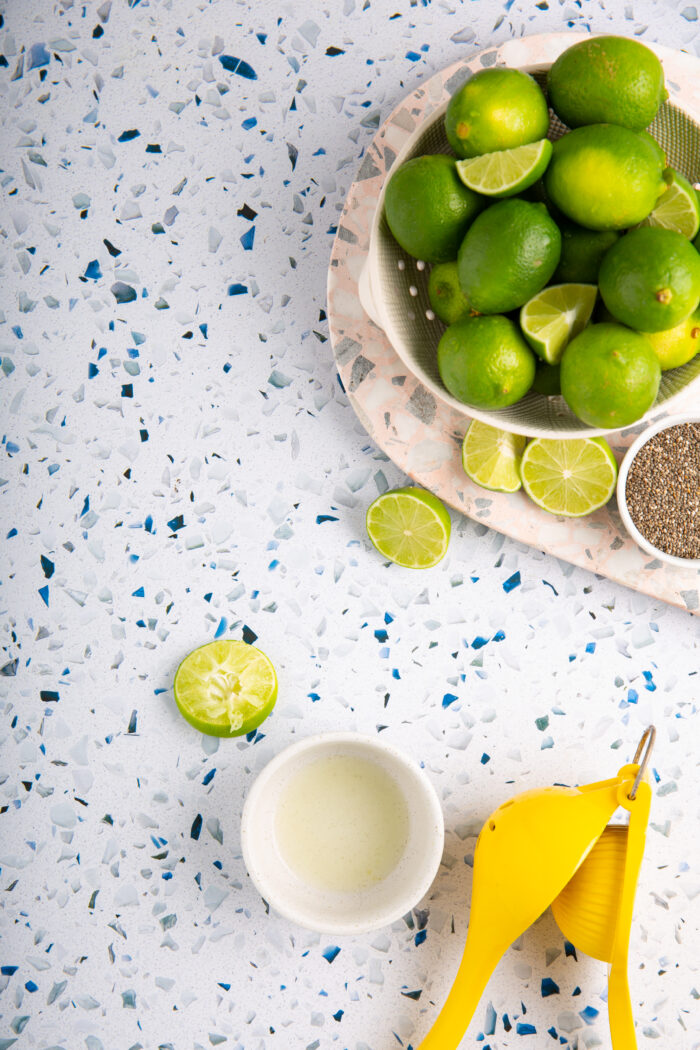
(555, 846)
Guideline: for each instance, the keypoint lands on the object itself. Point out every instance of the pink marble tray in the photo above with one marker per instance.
(423, 435)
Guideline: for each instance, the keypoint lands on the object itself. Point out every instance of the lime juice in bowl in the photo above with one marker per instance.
(352, 794)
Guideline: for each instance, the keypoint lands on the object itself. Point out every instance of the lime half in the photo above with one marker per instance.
(410, 527)
(506, 172)
(491, 457)
(552, 318)
(225, 688)
(572, 478)
(677, 208)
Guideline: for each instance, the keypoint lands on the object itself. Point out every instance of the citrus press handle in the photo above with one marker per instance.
(619, 1003)
(638, 803)
(472, 977)
(620, 1014)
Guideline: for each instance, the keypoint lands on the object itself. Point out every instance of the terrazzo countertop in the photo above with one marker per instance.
(180, 464)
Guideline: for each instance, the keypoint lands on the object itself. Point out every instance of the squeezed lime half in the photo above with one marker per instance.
(225, 688)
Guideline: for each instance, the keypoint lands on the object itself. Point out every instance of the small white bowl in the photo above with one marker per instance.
(335, 912)
(637, 444)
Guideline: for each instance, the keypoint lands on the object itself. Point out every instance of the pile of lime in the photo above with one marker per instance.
(569, 267)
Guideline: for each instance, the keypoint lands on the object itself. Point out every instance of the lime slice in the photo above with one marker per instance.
(491, 457)
(677, 208)
(506, 172)
(572, 478)
(552, 318)
(225, 688)
(409, 526)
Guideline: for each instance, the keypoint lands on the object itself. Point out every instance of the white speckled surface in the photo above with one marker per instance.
(185, 464)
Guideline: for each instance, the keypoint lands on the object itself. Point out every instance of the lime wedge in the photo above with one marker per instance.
(491, 457)
(677, 208)
(506, 172)
(552, 318)
(410, 527)
(225, 688)
(572, 478)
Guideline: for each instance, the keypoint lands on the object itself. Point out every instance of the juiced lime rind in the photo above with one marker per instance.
(678, 208)
(569, 478)
(555, 316)
(491, 457)
(225, 688)
(410, 527)
(505, 173)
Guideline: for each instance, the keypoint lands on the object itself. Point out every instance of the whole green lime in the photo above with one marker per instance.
(582, 253)
(485, 362)
(496, 109)
(429, 209)
(609, 376)
(508, 255)
(650, 279)
(445, 294)
(607, 80)
(605, 177)
(676, 346)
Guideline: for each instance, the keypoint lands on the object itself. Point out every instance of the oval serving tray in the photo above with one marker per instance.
(422, 434)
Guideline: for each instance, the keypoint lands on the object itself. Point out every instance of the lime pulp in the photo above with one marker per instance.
(225, 688)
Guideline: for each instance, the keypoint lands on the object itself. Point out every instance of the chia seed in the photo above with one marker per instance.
(663, 490)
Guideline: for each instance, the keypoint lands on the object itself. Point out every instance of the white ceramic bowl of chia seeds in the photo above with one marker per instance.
(648, 506)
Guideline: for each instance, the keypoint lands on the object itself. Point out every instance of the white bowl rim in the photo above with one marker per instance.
(409, 896)
(637, 444)
(469, 412)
